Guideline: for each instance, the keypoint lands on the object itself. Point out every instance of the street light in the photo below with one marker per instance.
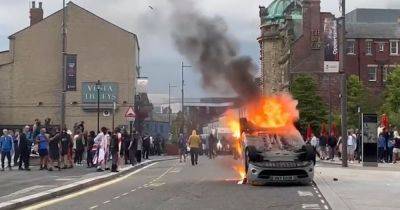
(98, 87)
(169, 102)
(183, 102)
(114, 99)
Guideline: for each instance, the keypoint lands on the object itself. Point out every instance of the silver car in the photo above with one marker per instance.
(270, 159)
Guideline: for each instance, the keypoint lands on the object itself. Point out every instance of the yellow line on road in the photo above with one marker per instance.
(91, 189)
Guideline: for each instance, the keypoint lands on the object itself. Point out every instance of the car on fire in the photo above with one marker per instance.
(270, 159)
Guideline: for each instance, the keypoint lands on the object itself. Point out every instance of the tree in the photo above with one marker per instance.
(355, 96)
(312, 109)
(391, 104)
(176, 126)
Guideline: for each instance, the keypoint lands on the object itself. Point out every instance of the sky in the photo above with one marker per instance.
(160, 61)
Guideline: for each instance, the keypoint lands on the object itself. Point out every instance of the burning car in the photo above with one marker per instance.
(275, 159)
(272, 149)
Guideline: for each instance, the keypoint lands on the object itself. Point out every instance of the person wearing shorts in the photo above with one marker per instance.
(396, 149)
(43, 147)
(351, 147)
(54, 151)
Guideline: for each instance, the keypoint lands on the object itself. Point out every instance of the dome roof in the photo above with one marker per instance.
(277, 8)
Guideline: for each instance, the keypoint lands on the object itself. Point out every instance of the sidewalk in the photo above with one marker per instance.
(356, 164)
(24, 187)
(359, 187)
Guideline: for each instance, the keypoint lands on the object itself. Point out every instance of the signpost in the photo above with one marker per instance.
(370, 139)
(130, 116)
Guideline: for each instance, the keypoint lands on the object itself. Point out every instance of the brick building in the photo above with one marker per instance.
(31, 71)
(292, 43)
(372, 50)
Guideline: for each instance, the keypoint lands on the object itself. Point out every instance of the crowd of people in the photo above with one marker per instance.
(65, 149)
(329, 146)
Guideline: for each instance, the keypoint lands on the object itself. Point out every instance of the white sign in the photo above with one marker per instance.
(331, 66)
(141, 86)
(130, 114)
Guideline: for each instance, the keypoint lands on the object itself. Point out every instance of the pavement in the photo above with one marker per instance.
(19, 188)
(357, 187)
(213, 184)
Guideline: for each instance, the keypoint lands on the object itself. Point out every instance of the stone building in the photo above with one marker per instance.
(31, 70)
(292, 43)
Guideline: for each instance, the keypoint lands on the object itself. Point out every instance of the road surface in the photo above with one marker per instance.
(212, 184)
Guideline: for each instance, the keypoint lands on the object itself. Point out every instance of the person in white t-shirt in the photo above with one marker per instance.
(351, 146)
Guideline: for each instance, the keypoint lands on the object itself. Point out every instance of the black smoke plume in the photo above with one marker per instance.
(205, 42)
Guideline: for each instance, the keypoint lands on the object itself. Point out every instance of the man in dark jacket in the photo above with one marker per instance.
(114, 150)
(211, 145)
(25, 149)
(332, 141)
(146, 146)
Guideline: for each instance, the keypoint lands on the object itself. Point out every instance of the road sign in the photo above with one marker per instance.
(130, 114)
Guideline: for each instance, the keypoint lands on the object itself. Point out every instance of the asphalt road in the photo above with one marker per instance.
(212, 184)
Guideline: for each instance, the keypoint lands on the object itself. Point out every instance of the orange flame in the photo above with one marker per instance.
(277, 114)
(240, 170)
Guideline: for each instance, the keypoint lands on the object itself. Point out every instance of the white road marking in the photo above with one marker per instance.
(133, 190)
(65, 179)
(93, 207)
(140, 187)
(319, 196)
(157, 184)
(91, 189)
(305, 193)
(326, 207)
(310, 206)
(105, 202)
(124, 194)
(116, 197)
(322, 201)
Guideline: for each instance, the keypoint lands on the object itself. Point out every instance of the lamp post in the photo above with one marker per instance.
(183, 98)
(64, 46)
(169, 102)
(113, 113)
(98, 87)
(343, 84)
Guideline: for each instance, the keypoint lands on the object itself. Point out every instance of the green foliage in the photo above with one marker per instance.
(176, 126)
(391, 104)
(355, 97)
(312, 109)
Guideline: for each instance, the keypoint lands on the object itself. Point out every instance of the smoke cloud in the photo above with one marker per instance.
(205, 42)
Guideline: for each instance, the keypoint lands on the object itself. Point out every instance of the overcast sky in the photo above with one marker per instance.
(159, 59)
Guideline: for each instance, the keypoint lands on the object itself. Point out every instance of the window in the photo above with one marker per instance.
(368, 47)
(372, 74)
(381, 47)
(351, 47)
(394, 47)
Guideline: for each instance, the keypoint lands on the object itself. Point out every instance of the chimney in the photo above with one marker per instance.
(36, 14)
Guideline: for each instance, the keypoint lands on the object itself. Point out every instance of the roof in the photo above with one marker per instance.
(373, 30)
(70, 4)
(373, 16)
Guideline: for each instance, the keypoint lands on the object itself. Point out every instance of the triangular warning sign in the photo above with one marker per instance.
(130, 113)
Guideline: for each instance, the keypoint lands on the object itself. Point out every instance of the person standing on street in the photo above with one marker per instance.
(332, 141)
(89, 153)
(381, 148)
(79, 147)
(182, 148)
(139, 148)
(194, 144)
(396, 149)
(54, 150)
(43, 148)
(17, 151)
(132, 148)
(25, 149)
(351, 146)
(101, 143)
(146, 146)
(211, 143)
(66, 141)
(114, 150)
(6, 146)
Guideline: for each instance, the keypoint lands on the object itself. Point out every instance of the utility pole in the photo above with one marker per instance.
(183, 98)
(113, 112)
(169, 102)
(343, 84)
(63, 89)
(98, 105)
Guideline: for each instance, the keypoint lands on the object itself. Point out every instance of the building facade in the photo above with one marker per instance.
(372, 49)
(31, 71)
(292, 43)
